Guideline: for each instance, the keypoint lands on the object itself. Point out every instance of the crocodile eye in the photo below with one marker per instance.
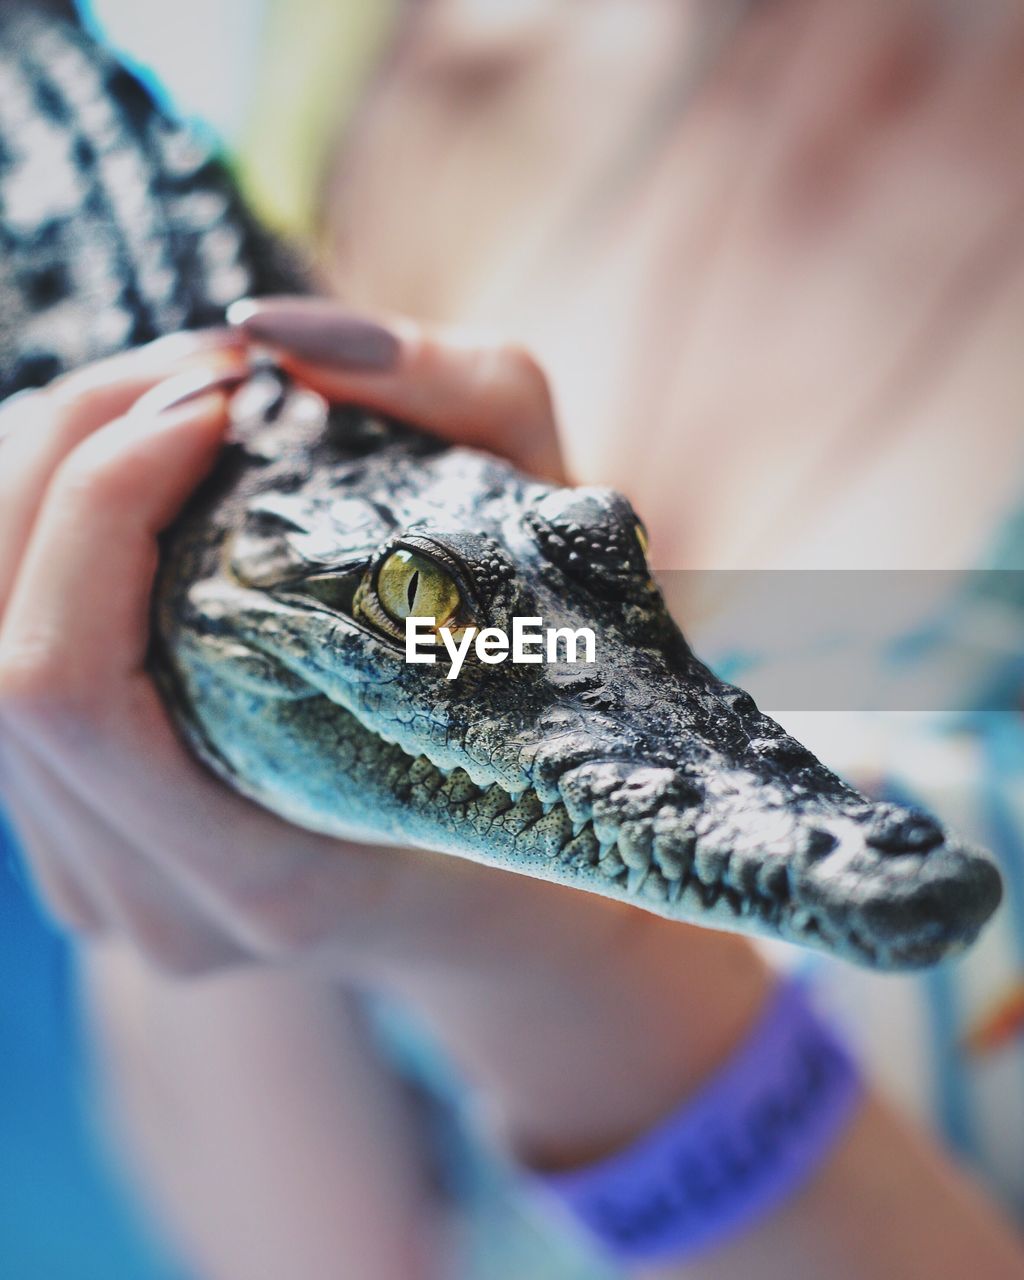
(411, 586)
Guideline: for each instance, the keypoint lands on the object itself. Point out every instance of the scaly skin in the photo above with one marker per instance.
(642, 777)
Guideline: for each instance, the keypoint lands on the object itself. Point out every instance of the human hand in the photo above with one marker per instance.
(124, 832)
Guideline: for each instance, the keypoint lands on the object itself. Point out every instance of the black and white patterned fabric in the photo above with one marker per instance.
(116, 225)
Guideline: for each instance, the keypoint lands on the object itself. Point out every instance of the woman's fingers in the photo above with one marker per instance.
(74, 693)
(77, 618)
(39, 429)
(489, 396)
(81, 499)
(94, 880)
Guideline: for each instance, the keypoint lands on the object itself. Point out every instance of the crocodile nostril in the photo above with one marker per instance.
(897, 830)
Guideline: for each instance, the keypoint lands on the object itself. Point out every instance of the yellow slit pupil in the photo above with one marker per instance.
(411, 586)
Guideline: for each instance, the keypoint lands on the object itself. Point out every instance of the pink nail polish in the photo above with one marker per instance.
(317, 330)
(191, 384)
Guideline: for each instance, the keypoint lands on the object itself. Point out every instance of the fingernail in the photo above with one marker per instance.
(188, 344)
(190, 385)
(318, 331)
(189, 341)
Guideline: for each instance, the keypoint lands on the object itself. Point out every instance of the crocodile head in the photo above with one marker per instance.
(640, 776)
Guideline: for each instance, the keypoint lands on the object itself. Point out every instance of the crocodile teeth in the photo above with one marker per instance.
(635, 846)
(635, 879)
(579, 807)
(609, 861)
(547, 791)
(578, 828)
(607, 829)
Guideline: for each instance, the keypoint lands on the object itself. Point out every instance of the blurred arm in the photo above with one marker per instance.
(598, 1033)
(256, 1118)
(273, 1142)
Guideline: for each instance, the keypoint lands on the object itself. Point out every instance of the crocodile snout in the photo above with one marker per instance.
(878, 883)
(939, 910)
(900, 890)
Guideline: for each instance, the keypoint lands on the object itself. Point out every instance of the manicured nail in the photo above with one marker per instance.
(191, 385)
(318, 331)
(195, 341)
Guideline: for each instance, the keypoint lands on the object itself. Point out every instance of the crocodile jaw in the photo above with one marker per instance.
(877, 885)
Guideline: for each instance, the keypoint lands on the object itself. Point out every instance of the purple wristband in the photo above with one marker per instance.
(738, 1148)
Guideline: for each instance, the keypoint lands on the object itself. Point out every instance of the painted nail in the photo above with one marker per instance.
(195, 341)
(189, 385)
(318, 331)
